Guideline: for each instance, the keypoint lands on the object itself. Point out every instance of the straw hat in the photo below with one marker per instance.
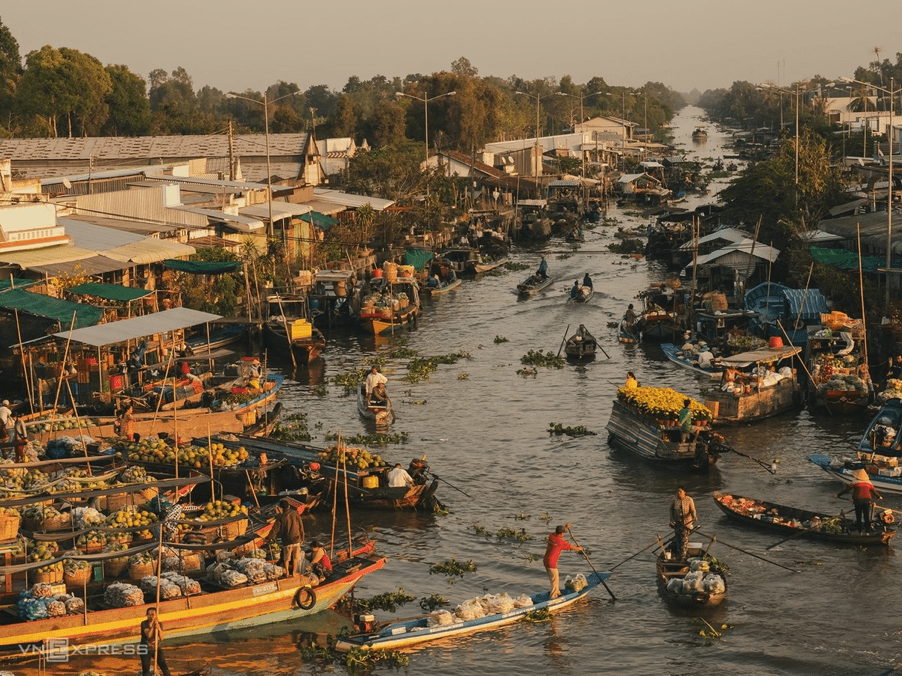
(861, 475)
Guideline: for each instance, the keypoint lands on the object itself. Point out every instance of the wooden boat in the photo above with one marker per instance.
(390, 306)
(220, 336)
(699, 134)
(626, 337)
(884, 433)
(583, 296)
(487, 263)
(846, 469)
(305, 348)
(533, 285)
(444, 287)
(334, 298)
(581, 345)
(575, 236)
(836, 382)
(405, 633)
(669, 569)
(215, 609)
(368, 486)
(750, 399)
(677, 356)
(382, 414)
(534, 223)
(659, 441)
(791, 521)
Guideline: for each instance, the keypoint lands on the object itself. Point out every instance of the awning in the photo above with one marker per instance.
(417, 258)
(110, 291)
(321, 221)
(96, 237)
(203, 267)
(232, 221)
(744, 359)
(280, 210)
(848, 260)
(136, 327)
(40, 305)
(95, 265)
(17, 283)
(149, 250)
(48, 256)
(350, 200)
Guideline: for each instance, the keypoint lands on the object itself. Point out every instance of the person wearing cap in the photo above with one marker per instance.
(863, 497)
(5, 415)
(374, 378)
(556, 545)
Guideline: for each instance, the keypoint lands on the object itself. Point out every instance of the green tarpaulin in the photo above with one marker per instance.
(848, 260)
(203, 267)
(40, 305)
(110, 291)
(417, 258)
(321, 221)
(17, 283)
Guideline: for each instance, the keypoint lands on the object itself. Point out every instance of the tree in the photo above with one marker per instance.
(128, 104)
(10, 74)
(174, 106)
(344, 121)
(390, 172)
(386, 126)
(464, 68)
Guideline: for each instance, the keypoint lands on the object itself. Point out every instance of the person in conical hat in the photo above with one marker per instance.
(864, 495)
(861, 475)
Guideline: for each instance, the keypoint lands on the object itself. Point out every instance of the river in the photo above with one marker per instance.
(484, 429)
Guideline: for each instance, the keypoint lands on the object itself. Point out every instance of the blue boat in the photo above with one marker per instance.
(848, 471)
(404, 633)
(674, 354)
(884, 432)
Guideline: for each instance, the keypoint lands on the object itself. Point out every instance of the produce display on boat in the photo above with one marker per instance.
(698, 582)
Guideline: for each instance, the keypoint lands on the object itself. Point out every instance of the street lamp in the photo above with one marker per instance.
(538, 98)
(772, 87)
(426, 101)
(581, 117)
(265, 103)
(891, 92)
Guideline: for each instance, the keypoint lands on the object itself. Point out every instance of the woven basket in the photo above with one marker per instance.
(9, 527)
(115, 567)
(57, 523)
(191, 562)
(117, 501)
(53, 577)
(77, 579)
(138, 571)
(233, 529)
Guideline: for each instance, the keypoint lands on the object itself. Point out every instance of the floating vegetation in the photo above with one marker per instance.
(511, 534)
(430, 603)
(294, 428)
(439, 509)
(479, 530)
(578, 431)
(513, 266)
(378, 361)
(420, 368)
(350, 381)
(545, 517)
(528, 372)
(709, 631)
(463, 376)
(356, 660)
(500, 339)
(388, 601)
(453, 568)
(377, 439)
(320, 391)
(401, 351)
(541, 615)
(522, 517)
(563, 257)
(531, 558)
(540, 358)
(608, 221)
(421, 402)
(613, 325)
(627, 246)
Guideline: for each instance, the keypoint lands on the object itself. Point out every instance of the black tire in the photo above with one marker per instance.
(305, 598)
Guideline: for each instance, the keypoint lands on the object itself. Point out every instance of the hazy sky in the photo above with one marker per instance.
(235, 45)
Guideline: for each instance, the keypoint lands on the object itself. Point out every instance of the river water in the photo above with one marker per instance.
(484, 429)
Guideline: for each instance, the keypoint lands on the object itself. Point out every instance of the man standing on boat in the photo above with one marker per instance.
(374, 378)
(682, 518)
(556, 545)
(685, 421)
(863, 497)
(543, 269)
(151, 637)
(290, 527)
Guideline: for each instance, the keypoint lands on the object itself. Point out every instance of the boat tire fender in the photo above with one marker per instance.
(305, 598)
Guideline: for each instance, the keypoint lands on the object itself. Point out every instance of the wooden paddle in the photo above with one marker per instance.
(566, 331)
(738, 549)
(637, 553)
(613, 598)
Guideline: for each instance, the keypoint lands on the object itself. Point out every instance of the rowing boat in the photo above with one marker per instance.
(792, 521)
(382, 413)
(688, 592)
(534, 285)
(884, 478)
(678, 357)
(405, 633)
(581, 345)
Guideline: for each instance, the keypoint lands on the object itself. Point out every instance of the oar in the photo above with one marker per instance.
(613, 598)
(738, 549)
(436, 476)
(634, 555)
(842, 515)
(602, 349)
(563, 341)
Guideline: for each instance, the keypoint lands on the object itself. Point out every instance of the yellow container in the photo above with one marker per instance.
(301, 329)
(371, 481)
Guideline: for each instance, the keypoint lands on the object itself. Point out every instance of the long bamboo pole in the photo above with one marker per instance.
(28, 389)
(59, 382)
(864, 326)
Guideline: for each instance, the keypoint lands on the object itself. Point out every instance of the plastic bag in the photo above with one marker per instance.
(714, 584)
(522, 601)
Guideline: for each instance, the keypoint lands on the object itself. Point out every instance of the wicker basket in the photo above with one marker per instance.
(9, 527)
(77, 579)
(191, 562)
(115, 567)
(117, 501)
(138, 571)
(57, 523)
(234, 529)
(53, 577)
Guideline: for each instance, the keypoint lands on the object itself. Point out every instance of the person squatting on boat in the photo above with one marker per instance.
(319, 560)
(631, 382)
(290, 528)
(556, 545)
(151, 637)
(863, 497)
(372, 380)
(682, 520)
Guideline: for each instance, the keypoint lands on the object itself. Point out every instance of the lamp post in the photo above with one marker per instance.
(773, 87)
(581, 117)
(538, 98)
(265, 103)
(891, 92)
(426, 101)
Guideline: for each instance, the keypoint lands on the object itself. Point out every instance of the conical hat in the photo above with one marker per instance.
(861, 475)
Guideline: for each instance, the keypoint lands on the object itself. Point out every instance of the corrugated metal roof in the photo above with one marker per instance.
(280, 210)
(629, 178)
(563, 184)
(728, 234)
(323, 207)
(138, 327)
(48, 256)
(96, 237)
(727, 255)
(237, 222)
(350, 200)
(149, 250)
(136, 226)
(95, 265)
(207, 184)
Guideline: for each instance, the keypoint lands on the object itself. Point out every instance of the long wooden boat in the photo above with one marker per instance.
(791, 521)
(445, 287)
(583, 296)
(699, 134)
(581, 345)
(835, 383)
(659, 440)
(626, 335)
(884, 433)
(305, 349)
(382, 414)
(215, 609)
(221, 336)
(752, 401)
(405, 633)
(534, 285)
(677, 356)
(487, 264)
(669, 569)
(383, 318)
(846, 469)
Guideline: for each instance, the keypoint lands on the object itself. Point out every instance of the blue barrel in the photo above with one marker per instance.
(314, 304)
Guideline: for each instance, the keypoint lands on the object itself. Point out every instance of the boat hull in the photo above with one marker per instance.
(380, 326)
(844, 472)
(668, 569)
(438, 291)
(383, 415)
(757, 404)
(305, 350)
(673, 354)
(527, 289)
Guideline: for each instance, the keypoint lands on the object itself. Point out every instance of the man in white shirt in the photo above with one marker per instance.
(399, 478)
(374, 378)
(5, 417)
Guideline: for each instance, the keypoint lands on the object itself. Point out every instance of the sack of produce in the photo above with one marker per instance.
(692, 583)
(675, 585)
(470, 610)
(699, 565)
(55, 608)
(41, 590)
(74, 605)
(576, 584)
(186, 584)
(121, 595)
(440, 618)
(714, 584)
(232, 578)
(504, 603)
(273, 572)
(522, 601)
(32, 609)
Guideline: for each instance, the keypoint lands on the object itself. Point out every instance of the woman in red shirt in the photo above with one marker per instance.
(556, 545)
(863, 497)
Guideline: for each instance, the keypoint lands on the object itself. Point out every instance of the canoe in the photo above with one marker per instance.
(845, 469)
(444, 288)
(669, 569)
(533, 286)
(405, 633)
(487, 265)
(677, 357)
(215, 609)
(581, 346)
(586, 293)
(791, 521)
(382, 414)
